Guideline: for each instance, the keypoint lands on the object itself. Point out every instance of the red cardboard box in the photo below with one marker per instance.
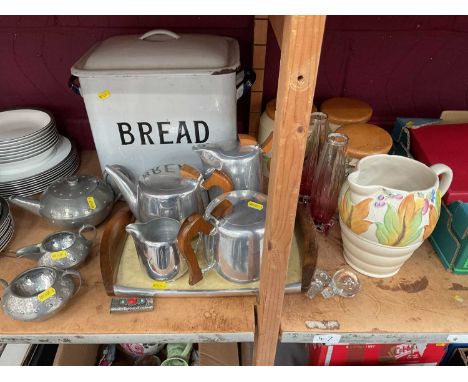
(373, 355)
(445, 144)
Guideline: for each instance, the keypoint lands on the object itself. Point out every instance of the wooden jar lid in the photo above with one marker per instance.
(342, 111)
(366, 139)
(271, 108)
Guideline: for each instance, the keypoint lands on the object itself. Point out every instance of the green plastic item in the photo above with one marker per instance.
(450, 237)
(178, 354)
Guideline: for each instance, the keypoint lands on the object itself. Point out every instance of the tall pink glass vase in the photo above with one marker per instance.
(327, 181)
(318, 131)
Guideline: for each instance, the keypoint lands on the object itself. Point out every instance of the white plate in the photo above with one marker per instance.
(6, 240)
(20, 123)
(61, 151)
(39, 153)
(19, 188)
(23, 190)
(32, 151)
(36, 188)
(24, 145)
(43, 176)
(29, 139)
(6, 231)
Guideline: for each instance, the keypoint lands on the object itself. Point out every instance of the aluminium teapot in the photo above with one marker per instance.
(233, 227)
(169, 190)
(71, 202)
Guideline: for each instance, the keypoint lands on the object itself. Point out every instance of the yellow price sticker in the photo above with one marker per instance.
(254, 205)
(48, 293)
(57, 255)
(91, 202)
(104, 94)
(159, 285)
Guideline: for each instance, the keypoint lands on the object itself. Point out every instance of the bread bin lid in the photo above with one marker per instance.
(159, 51)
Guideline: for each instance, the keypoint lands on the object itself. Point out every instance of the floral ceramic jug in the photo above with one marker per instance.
(392, 200)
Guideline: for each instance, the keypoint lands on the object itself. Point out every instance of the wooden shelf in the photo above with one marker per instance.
(86, 319)
(422, 303)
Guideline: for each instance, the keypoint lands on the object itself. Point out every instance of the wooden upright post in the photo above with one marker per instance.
(300, 54)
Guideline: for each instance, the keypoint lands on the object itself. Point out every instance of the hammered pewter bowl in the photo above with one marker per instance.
(62, 250)
(38, 293)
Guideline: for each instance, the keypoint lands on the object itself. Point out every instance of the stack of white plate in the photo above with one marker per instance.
(32, 152)
(6, 225)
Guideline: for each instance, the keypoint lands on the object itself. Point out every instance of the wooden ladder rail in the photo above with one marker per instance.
(300, 54)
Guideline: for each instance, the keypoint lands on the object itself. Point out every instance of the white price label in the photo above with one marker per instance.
(327, 339)
(458, 338)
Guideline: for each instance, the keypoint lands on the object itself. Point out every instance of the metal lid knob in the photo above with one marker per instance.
(72, 180)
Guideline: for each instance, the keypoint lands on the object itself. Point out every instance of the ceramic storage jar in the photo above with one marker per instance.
(364, 139)
(267, 124)
(343, 111)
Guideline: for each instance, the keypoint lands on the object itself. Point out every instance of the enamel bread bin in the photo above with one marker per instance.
(387, 208)
(150, 98)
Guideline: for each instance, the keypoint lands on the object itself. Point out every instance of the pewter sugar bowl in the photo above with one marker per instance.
(72, 202)
(38, 293)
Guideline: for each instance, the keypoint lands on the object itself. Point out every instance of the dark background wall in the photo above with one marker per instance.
(37, 52)
(414, 66)
(402, 65)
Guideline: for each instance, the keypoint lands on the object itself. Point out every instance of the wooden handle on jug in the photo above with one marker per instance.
(247, 140)
(192, 226)
(189, 172)
(220, 179)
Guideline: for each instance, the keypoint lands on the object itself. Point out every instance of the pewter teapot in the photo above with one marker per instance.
(169, 190)
(71, 202)
(240, 159)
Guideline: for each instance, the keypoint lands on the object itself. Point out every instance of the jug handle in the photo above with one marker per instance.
(73, 274)
(191, 226)
(220, 179)
(32, 252)
(86, 227)
(267, 145)
(247, 140)
(446, 174)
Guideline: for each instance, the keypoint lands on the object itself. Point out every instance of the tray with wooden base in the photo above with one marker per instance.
(123, 275)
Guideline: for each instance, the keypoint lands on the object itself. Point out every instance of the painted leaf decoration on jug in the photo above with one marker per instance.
(434, 211)
(354, 216)
(403, 227)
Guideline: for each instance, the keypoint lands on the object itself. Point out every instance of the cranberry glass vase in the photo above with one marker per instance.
(327, 181)
(318, 131)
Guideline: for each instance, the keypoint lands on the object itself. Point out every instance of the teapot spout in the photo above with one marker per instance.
(32, 252)
(29, 204)
(126, 186)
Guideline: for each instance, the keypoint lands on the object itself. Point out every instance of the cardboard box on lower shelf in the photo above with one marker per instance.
(379, 354)
(76, 355)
